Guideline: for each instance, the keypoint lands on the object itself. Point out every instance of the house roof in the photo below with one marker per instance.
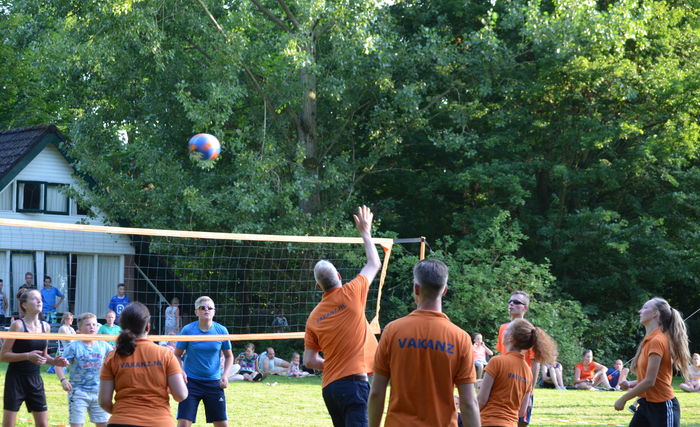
(20, 146)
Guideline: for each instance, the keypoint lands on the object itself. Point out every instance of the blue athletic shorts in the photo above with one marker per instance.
(214, 401)
(651, 414)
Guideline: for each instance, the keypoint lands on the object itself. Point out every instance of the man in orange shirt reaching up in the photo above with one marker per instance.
(425, 356)
(338, 328)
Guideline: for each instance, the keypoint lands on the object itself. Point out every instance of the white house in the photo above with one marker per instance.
(86, 266)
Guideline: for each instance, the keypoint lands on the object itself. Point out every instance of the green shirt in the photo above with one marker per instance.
(106, 330)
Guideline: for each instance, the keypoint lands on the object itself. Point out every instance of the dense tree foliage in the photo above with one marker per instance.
(545, 145)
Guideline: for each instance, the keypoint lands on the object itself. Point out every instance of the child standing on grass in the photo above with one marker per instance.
(507, 384)
(109, 328)
(86, 358)
(172, 317)
(294, 369)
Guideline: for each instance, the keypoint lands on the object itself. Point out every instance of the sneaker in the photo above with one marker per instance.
(617, 388)
(561, 388)
(258, 377)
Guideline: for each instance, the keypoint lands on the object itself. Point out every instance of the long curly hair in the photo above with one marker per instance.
(525, 335)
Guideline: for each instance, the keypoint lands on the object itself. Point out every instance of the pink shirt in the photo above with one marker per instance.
(479, 352)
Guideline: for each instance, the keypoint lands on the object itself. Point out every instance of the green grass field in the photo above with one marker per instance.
(298, 402)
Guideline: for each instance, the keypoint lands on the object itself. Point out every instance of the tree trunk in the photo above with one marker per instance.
(306, 130)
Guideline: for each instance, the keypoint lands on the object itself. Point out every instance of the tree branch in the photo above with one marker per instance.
(271, 16)
(213, 20)
(289, 13)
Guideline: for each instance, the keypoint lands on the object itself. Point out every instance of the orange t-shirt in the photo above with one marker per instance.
(512, 379)
(425, 356)
(141, 384)
(587, 371)
(656, 343)
(529, 353)
(338, 328)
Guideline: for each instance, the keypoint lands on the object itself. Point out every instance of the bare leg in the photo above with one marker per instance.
(41, 419)
(623, 375)
(479, 370)
(559, 375)
(183, 423)
(601, 379)
(223, 423)
(9, 418)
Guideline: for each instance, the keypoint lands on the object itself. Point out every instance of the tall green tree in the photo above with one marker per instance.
(579, 118)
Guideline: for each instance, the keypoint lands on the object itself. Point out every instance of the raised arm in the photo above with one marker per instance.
(363, 222)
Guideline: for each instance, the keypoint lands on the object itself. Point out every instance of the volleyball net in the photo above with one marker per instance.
(262, 285)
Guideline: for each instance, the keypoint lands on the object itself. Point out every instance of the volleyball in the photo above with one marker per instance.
(204, 147)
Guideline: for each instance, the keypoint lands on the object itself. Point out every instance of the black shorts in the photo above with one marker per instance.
(24, 388)
(652, 414)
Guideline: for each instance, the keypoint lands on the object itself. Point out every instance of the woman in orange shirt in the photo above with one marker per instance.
(589, 374)
(141, 373)
(664, 347)
(504, 392)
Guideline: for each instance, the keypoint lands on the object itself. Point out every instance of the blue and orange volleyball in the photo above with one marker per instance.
(204, 147)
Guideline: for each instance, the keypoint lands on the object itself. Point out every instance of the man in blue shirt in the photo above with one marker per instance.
(119, 301)
(202, 368)
(48, 296)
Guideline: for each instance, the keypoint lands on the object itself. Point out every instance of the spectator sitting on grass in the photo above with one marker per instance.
(268, 364)
(244, 366)
(295, 367)
(589, 374)
(617, 374)
(552, 376)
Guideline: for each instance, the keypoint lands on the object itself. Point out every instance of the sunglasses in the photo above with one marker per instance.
(205, 308)
(516, 302)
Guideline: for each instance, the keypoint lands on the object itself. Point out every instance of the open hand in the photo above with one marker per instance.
(363, 219)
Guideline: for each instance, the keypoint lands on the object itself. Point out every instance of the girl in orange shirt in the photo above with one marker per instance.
(504, 392)
(589, 374)
(665, 346)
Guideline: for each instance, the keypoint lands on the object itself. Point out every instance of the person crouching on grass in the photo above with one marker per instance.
(86, 358)
(508, 380)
